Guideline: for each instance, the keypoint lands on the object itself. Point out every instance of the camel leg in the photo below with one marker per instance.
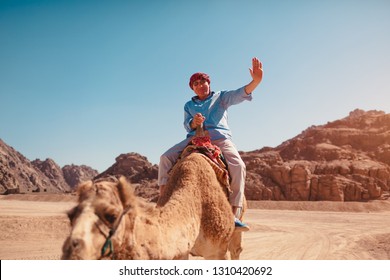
(235, 247)
(185, 256)
(217, 256)
(217, 252)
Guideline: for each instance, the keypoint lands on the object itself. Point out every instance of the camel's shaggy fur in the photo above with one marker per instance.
(192, 217)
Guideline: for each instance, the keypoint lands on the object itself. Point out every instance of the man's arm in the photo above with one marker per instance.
(256, 74)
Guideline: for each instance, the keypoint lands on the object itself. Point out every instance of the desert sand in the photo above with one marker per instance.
(35, 226)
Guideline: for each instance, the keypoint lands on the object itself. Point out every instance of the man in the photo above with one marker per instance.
(210, 109)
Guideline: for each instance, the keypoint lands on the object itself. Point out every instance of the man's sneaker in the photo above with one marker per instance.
(240, 226)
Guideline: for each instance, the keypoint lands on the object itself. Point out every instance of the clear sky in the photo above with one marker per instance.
(85, 81)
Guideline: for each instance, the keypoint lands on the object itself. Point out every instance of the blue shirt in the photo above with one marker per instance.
(214, 109)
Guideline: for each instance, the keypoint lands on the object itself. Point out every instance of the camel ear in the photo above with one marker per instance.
(126, 192)
(83, 189)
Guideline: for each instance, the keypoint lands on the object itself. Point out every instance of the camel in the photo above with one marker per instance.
(193, 217)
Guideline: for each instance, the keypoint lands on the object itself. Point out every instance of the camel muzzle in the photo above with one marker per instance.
(72, 249)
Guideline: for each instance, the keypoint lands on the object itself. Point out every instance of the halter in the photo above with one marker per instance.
(108, 243)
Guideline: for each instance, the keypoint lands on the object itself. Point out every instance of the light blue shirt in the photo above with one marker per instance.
(214, 109)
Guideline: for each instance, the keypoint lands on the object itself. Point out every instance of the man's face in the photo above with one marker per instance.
(201, 88)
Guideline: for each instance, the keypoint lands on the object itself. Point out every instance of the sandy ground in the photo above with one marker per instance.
(35, 226)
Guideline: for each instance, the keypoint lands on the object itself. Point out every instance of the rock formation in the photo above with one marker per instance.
(138, 170)
(75, 174)
(344, 160)
(53, 173)
(20, 175)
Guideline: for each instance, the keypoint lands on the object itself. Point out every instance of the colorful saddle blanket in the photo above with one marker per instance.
(212, 153)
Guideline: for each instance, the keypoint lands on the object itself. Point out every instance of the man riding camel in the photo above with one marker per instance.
(209, 108)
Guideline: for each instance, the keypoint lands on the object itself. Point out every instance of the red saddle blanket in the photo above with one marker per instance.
(212, 153)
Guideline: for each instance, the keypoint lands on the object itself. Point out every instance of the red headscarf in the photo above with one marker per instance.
(199, 76)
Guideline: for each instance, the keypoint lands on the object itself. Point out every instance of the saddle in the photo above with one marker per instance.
(201, 143)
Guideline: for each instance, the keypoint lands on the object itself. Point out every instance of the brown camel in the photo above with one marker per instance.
(192, 217)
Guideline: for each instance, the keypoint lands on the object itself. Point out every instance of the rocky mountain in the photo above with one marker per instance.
(138, 170)
(75, 174)
(53, 173)
(344, 160)
(20, 175)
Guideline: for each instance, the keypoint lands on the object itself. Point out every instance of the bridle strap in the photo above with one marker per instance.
(108, 243)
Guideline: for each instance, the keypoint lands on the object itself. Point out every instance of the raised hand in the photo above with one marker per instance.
(257, 70)
(256, 74)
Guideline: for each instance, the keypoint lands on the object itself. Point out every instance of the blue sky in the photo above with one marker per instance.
(84, 81)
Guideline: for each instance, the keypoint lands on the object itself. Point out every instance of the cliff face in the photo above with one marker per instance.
(53, 173)
(19, 175)
(138, 170)
(75, 174)
(344, 160)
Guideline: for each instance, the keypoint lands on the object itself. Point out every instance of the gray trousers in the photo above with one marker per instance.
(236, 167)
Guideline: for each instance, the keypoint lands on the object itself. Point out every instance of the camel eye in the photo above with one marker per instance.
(72, 213)
(111, 218)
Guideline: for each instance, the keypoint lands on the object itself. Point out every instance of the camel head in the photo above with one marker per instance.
(99, 220)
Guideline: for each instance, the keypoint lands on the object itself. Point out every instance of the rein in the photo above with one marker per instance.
(108, 244)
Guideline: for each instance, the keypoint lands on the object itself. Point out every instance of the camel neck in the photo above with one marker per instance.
(164, 233)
